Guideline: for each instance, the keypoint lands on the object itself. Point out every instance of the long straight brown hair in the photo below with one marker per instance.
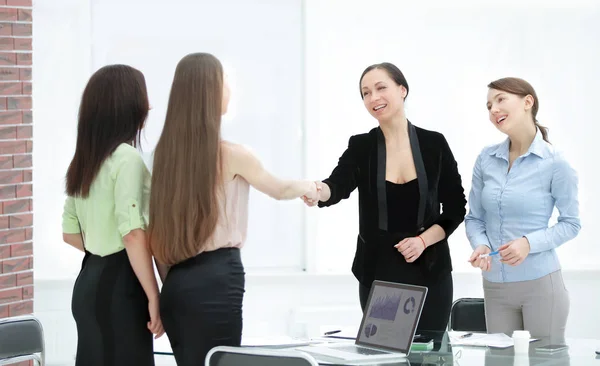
(113, 109)
(186, 173)
(521, 88)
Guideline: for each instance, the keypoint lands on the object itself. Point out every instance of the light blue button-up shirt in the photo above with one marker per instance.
(506, 205)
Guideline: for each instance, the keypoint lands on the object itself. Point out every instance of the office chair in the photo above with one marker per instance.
(468, 314)
(21, 339)
(253, 356)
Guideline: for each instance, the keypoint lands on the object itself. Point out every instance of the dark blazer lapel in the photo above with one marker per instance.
(421, 178)
(421, 174)
(381, 191)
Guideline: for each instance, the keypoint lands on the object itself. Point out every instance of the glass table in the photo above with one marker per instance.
(579, 352)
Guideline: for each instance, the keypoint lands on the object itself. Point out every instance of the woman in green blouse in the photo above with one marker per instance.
(115, 298)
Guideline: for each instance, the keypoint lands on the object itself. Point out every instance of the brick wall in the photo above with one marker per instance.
(16, 203)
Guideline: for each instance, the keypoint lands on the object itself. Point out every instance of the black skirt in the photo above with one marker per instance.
(201, 304)
(111, 312)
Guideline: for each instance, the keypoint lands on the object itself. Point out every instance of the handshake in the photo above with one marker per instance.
(313, 196)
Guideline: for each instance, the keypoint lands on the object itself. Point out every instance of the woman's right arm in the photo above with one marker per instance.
(343, 179)
(241, 161)
(475, 222)
(129, 175)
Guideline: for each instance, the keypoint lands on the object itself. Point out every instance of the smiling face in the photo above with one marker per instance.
(508, 111)
(382, 97)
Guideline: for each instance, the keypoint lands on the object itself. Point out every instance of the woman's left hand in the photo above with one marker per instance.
(514, 252)
(411, 248)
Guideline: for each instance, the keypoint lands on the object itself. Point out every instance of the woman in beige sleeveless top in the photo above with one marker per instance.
(199, 212)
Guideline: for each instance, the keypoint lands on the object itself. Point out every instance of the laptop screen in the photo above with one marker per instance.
(391, 316)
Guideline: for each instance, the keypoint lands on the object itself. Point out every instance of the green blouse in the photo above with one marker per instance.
(117, 203)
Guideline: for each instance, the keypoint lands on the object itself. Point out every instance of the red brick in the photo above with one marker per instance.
(8, 281)
(21, 29)
(22, 44)
(8, 192)
(25, 73)
(7, 44)
(7, 14)
(27, 117)
(26, 88)
(5, 29)
(21, 250)
(13, 147)
(27, 175)
(15, 265)
(12, 207)
(22, 161)
(22, 308)
(8, 58)
(25, 278)
(29, 146)
(27, 292)
(24, 58)
(13, 236)
(11, 88)
(12, 295)
(11, 118)
(20, 220)
(25, 15)
(9, 73)
(18, 2)
(11, 176)
(31, 262)
(18, 103)
(29, 230)
(3, 225)
(8, 133)
(24, 132)
(24, 190)
(3, 311)
(4, 252)
(6, 162)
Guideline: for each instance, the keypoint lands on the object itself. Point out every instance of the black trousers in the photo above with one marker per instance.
(111, 312)
(436, 310)
(201, 304)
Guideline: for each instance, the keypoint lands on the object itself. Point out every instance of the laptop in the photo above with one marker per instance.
(387, 328)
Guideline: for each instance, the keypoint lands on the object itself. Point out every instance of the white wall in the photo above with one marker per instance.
(448, 55)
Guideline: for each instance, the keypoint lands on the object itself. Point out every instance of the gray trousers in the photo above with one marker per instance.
(540, 306)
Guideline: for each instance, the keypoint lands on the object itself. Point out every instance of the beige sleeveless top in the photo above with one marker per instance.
(232, 226)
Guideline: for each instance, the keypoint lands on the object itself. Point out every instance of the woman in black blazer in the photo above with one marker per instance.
(403, 174)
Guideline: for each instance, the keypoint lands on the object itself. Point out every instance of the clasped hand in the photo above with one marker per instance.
(411, 248)
(312, 197)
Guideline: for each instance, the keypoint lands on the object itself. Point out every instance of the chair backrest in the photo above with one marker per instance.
(21, 338)
(468, 314)
(254, 356)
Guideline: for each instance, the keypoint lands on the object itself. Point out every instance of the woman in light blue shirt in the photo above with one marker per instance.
(516, 185)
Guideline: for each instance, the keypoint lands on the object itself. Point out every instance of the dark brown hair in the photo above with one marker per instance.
(113, 109)
(521, 88)
(393, 71)
(186, 174)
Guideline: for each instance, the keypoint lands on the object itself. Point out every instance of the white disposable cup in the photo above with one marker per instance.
(521, 339)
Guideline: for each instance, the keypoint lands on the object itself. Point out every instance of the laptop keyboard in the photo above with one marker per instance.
(362, 350)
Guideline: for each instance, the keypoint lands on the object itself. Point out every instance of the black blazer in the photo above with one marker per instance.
(363, 165)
